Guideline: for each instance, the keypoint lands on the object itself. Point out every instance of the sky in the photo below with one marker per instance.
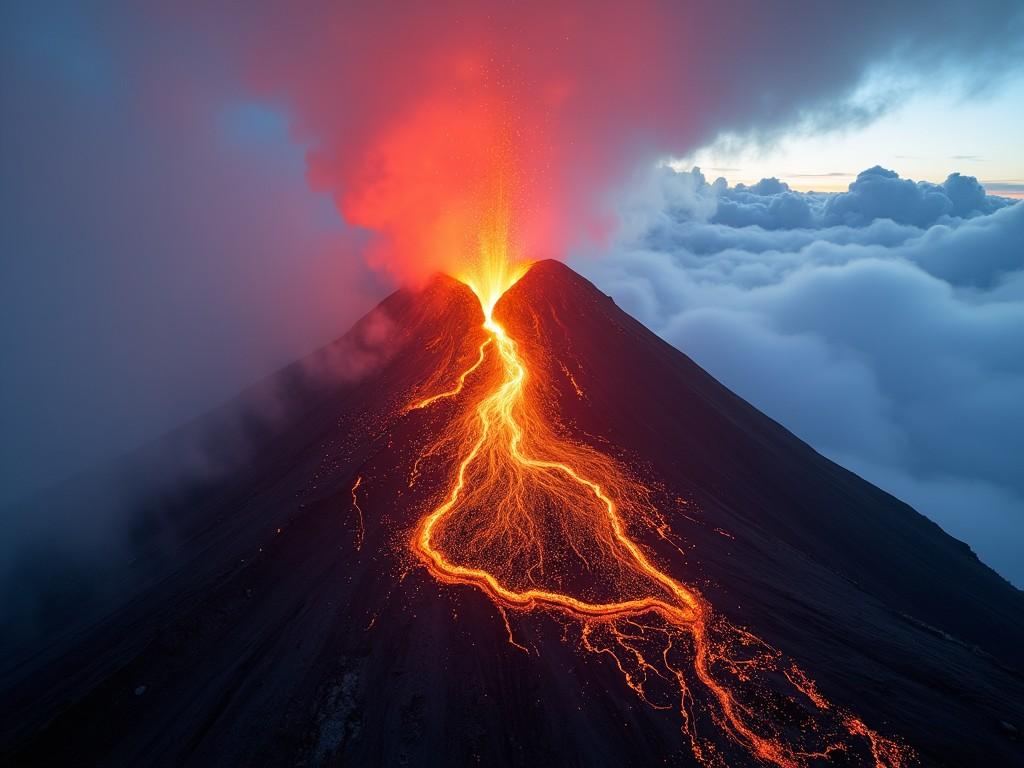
(928, 133)
(192, 199)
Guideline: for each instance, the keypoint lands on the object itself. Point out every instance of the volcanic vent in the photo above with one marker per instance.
(536, 534)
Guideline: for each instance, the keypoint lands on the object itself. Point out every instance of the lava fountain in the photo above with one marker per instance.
(540, 522)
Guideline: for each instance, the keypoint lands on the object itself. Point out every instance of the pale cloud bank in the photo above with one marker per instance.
(883, 325)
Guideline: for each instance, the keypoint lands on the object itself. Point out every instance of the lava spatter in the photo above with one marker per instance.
(539, 522)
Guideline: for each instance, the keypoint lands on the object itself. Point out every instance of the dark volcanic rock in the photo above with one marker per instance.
(274, 631)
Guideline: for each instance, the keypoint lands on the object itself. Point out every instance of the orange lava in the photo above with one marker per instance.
(361, 530)
(539, 522)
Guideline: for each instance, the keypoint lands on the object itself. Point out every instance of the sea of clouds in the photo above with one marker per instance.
(884, 325)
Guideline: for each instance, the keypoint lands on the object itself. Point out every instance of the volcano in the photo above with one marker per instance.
(531, 533)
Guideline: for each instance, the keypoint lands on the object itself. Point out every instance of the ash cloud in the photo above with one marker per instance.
(881, 324)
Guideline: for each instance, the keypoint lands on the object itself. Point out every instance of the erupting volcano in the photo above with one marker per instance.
(530, 533)
(500, 522)
(528, 523)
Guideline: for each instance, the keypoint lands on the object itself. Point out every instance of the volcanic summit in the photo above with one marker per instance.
(530, 532)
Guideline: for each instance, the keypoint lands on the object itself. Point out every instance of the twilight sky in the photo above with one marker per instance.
(193, 199)
(925, 133)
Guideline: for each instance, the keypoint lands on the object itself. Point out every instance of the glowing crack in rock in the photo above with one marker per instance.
(525, 520)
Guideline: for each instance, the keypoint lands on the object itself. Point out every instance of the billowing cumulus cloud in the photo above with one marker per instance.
(879, 193)
(882, 325)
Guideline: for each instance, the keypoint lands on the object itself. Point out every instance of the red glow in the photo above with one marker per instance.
(471, 139)
(419, 120)
(541, 523)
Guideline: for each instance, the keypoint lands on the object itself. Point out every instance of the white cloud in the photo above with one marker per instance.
(886, 329)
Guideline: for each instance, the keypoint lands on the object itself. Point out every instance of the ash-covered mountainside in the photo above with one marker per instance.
(277, 617)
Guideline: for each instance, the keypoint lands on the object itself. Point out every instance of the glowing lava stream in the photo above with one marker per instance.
(498, 447)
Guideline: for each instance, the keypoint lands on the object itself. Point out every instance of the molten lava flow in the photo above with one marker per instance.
(361, 530)
(526, 521)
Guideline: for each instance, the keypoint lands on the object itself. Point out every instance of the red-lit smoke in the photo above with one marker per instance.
(423, 120)
(419, 116)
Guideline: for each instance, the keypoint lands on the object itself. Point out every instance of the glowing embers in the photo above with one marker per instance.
(525, 520)
(427, 401)
(361, 529)
(493, 270)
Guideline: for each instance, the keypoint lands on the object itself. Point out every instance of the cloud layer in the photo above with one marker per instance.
(882, 325)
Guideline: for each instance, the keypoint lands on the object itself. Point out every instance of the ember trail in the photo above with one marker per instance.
(525, 520)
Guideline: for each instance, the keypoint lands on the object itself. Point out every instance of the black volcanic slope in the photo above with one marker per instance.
(274, 632)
